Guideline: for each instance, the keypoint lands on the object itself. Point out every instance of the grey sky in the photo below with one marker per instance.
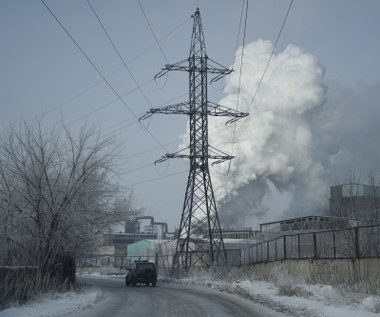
(42, 70)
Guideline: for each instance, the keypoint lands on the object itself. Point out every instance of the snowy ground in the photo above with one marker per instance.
(57, 305)
(284, 295)
(292, 297)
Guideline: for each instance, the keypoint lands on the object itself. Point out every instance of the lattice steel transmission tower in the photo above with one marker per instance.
(200, 239)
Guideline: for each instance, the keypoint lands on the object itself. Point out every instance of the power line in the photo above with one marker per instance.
(82, 92)
(130, 119)
(119, 123)
(240, 76)
(158, 178)
(118, 69)
(99, 72)
(151, 149)
(134, 121)
(242, 55)
(240, 22)
(143, 152)
(108, 103)
(236, 44)
(154, 35)
(113, 100)
(118, 53)
(121, 128)
(270, 58)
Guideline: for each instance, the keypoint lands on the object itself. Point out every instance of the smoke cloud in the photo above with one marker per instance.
(299, 139)
(274, 145)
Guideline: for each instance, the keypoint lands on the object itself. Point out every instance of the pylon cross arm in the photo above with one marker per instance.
(222, 111)
(180, 66)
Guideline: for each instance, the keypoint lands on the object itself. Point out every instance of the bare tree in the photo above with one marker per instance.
(57, 193)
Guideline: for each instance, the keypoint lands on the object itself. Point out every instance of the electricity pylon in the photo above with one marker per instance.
(200, 241)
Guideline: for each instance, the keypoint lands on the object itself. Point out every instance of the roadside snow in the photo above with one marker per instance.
(293, 298)
(56, 305)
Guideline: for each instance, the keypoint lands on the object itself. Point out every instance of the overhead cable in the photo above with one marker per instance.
(158, 178)
(118, 69)
(118, 53)
(134, 120)
(240, 77)
(107, 103)
(154, 34)
(82, 92)
(99, 72)
(270, 57)
(236, 43)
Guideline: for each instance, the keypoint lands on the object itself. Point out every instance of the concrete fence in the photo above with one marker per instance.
(331, 272)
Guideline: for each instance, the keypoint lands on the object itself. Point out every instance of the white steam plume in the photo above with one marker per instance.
(274, 145)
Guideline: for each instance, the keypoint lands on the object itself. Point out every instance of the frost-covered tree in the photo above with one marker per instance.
(57, 193)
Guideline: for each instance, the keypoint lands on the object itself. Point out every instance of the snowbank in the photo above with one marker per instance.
(289, 296)
(57, 305)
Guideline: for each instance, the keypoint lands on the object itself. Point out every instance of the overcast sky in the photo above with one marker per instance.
(325, 74)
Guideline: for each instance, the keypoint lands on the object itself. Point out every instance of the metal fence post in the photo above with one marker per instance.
(314, 245)
(334, 245)
(257, 252)
(284, 247)
(357, 246)
(275, 249)
(299, 246)
(267, 251)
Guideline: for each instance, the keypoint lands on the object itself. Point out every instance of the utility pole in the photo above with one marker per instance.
(200, 241)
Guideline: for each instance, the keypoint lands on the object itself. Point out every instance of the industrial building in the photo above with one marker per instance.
(238, 233)
(351, 205)
(357, 201)
(138, 229)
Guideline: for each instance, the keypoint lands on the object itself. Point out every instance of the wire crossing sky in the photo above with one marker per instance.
(313, 119)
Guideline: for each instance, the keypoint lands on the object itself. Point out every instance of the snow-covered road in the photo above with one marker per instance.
(196, 295)
(167, 300)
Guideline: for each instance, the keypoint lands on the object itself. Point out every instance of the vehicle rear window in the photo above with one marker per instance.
(144, 266)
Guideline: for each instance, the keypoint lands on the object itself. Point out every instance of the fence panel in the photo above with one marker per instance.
(245, 256)
(291, 245)
(306, 246)
(280, 248)
(272, 248)
(234, 257)
(345, 243)
(369, 242)
(264, 252)
(325, 245)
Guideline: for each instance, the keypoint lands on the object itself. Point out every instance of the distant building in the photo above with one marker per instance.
(147, 225)
(139, 229)
(139, 248)
(237, 233)
(351, 205)
(120, 241)
(310, 223)
(358, 201)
